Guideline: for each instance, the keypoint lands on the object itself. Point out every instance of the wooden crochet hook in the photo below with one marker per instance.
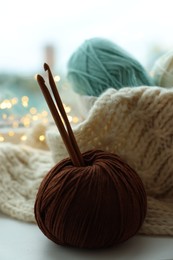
(57, 110)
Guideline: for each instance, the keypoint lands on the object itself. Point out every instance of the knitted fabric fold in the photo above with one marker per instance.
(21, 171)
(137, 125)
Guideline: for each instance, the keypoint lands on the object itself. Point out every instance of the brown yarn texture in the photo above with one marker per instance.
(99, 205)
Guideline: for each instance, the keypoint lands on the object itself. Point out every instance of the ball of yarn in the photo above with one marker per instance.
(163, 70)
(99, 205)
(99, 64)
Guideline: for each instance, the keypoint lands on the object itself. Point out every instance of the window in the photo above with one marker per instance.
(35, 32)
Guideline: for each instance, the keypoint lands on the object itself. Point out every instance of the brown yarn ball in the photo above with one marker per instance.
(99, 205)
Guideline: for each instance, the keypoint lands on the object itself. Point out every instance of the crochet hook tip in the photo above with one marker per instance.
(46, 66)
(40, 79)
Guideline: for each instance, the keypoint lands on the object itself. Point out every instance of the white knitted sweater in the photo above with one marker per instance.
(135, 123)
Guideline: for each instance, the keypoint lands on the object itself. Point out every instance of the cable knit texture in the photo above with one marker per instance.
(136, 124)
(21, 171)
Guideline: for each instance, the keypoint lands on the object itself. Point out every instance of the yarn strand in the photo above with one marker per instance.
(77, 161)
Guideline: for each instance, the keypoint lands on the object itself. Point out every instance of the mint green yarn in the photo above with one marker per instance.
(99, 64)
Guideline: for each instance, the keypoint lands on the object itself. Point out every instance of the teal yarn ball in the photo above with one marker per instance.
(99, 64)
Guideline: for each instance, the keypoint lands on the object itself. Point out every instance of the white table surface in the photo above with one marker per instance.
(24, 241)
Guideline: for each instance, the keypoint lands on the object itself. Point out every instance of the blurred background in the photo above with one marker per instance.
(38, 31)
